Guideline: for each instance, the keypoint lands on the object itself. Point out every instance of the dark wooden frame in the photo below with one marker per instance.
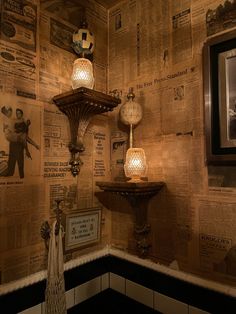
(69, 248)
(215, 153)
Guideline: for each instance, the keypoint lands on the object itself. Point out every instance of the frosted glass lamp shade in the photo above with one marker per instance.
(135, 165)
(82, 75)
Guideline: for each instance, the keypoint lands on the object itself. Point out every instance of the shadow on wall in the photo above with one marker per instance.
(228, 264)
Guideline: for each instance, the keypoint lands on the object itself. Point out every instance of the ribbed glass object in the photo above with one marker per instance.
(82, 75)
(135, 165)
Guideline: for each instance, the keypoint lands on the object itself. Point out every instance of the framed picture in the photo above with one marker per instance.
(219, 70)
(82, 228)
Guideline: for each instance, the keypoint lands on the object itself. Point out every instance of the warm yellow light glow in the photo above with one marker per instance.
(82, 75)
(135, 165)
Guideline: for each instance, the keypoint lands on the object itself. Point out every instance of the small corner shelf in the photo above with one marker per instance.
(138, 195)
(80, 105)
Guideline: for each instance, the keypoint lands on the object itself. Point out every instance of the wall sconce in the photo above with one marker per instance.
(135, 165)
(83, 43)
(82, 75)
(82, 103)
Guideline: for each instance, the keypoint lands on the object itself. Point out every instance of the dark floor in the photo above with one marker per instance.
(111, 302)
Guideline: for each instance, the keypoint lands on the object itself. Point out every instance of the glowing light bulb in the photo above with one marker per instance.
(135, 166)
(82, 75)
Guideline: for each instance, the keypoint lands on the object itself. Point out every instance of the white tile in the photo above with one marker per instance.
(195, 310)
(87, 290)
(117, 283)
(168, 305)
(70, 298)
(32, 310)
(105, 281)
(139, 293)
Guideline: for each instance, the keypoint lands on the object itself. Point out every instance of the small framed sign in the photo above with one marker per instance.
(82, 228)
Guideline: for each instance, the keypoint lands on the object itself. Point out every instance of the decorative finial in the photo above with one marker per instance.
(130, 94)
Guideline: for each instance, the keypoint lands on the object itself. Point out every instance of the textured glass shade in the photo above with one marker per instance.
(82, 75)
(135, 165)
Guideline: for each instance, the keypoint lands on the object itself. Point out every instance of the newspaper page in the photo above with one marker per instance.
(181, 31)
(65, 190)
(56, 57)
(56, 132)
(101, 149)
(95, 158)
(216, 236)
(56, 140)
(119, 36)
(119, 143)
(20, 138)
(19, 23)
(70, 10)
(18, 45)
(17, 71)
(15, 265)
(20, 220)
(139, 41)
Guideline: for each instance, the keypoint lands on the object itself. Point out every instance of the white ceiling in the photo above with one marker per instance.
(108, 3)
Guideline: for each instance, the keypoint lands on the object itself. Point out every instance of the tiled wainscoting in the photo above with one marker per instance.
(153, 285)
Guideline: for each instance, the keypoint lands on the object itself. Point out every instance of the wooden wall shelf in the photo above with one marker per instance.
(138, 195)
(80, 105)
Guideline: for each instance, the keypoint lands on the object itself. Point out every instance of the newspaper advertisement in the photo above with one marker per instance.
(101, 141)
(17, 71)
(181, 32)
(61, 35)
(20, 138)
(70, 11)
(118, 152)
(95, 160)
(19, 23)
(217, 240)
(65, 190)
(55, 63)
(56, 133)
(56, 31)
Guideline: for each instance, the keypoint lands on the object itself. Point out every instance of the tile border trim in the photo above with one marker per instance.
(108, 250)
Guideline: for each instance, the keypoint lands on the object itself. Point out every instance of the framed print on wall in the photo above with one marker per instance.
(219, 70)
(82, 228)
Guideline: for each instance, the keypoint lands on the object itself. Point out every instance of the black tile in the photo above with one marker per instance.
(110, 301)
(86, 272)
(24, 298)
(200, 297)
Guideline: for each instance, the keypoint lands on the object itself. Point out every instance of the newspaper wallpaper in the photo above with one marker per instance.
(36, 64)
(156, 48)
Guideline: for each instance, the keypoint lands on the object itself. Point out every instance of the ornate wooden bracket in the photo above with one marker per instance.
(80, 105)
(138, 195)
